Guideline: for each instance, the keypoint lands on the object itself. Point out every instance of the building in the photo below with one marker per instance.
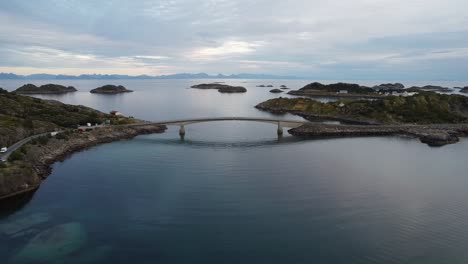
(343, 92)
(115, 113)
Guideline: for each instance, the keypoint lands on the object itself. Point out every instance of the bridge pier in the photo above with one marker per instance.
(280, 129)
(182, 130)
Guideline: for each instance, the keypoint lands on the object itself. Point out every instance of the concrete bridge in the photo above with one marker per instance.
(184, 122)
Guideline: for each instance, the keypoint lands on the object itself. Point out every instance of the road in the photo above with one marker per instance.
(17, 145)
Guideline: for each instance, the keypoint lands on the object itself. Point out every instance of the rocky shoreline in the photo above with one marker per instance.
(38, 159)
(433, 135)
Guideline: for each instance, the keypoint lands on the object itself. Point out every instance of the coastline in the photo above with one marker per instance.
(435, 135)
(39, 159)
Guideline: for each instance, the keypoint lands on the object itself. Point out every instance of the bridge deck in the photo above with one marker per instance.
(284, 123)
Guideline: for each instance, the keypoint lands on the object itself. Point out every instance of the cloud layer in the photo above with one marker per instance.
(338, 39)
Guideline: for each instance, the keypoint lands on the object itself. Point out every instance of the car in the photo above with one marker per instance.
(2, 160)
(3, 150)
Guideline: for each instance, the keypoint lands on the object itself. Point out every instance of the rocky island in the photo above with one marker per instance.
(111, 89)
(222, 88)
(464, 90)
(276, 91)
(45, 89)
(437, 119)
(30, 164)
(346, 90)
(429, 88)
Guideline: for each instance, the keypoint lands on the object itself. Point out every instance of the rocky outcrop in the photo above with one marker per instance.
(464, 90)
(44, 89)
(111, 89)
(276, 91)
(222, 88)
(433, 135)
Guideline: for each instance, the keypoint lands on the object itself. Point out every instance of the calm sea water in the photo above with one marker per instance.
(233, 192)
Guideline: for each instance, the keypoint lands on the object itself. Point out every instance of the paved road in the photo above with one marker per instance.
(17, 145)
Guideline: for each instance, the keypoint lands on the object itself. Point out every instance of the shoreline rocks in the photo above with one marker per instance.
(432, 135)
(44, 89)
(110, 89)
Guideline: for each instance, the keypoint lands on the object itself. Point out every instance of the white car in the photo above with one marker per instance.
(3, 150)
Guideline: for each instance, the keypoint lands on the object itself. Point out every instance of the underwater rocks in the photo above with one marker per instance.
(52, 244)
(23, 226)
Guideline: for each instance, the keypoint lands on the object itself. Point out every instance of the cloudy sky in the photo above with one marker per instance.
(340, 39)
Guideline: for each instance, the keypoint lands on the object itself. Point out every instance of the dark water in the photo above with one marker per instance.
(233, 192)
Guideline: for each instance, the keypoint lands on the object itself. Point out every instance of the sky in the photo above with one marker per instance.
(334, 39)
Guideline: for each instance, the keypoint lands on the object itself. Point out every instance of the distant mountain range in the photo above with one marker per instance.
(12, 76)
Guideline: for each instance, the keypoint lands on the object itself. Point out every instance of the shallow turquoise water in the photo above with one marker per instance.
(233, 192)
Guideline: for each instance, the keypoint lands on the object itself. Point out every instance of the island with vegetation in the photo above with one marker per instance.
(276, 91)
(356, 91)
(45, 89)
(51, 129)
(437, 119)
(110, 89)
(222, 88)
(346, 90)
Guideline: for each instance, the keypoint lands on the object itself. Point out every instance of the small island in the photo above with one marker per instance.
(45, 89)
(346, 90)
(276, 91)
(222, 88)
(429, 88)
(111, 89)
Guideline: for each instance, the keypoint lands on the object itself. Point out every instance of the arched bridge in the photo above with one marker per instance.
(184, 122)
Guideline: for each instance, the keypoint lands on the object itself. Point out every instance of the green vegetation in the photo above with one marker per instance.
(111, 89)
(336, 87)
(17, 155)
(424, 108)
(44, 89)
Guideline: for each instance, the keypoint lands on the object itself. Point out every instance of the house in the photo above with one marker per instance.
(115, 113)
(343, 92)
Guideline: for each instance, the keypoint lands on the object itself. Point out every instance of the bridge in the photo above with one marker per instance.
(184, 122)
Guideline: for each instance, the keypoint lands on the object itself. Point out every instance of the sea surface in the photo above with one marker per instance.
(235, 192)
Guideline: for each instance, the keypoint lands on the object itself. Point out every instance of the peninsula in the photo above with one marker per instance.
(222, 88)
(48, 133)
(44, 89)
(111, 89)
(437, 119)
